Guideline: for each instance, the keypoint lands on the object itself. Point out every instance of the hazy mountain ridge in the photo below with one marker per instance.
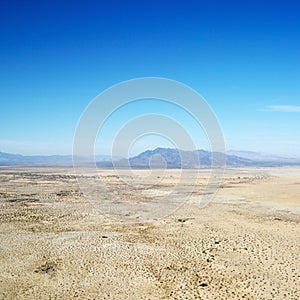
(260, 156)
(7, 159)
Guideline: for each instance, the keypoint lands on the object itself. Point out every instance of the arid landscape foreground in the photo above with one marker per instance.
(56, 245)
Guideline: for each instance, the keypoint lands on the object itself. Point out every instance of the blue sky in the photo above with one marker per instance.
(56, 56)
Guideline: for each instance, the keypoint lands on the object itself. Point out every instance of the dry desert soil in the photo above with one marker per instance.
(131, 235)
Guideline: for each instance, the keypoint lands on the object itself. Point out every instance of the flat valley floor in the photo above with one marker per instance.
(124, 241)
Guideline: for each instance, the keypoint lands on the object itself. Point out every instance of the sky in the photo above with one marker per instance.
(243, 57)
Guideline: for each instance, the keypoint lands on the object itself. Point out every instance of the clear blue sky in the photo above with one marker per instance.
(242, 56)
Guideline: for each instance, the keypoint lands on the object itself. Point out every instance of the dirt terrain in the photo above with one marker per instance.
(58, 244)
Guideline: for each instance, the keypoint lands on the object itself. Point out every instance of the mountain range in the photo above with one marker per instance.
(174, 158)
(160, 157)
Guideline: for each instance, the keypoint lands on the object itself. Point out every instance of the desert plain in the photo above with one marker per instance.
(58, 243)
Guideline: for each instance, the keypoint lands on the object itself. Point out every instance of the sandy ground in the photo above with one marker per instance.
(55, 244)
